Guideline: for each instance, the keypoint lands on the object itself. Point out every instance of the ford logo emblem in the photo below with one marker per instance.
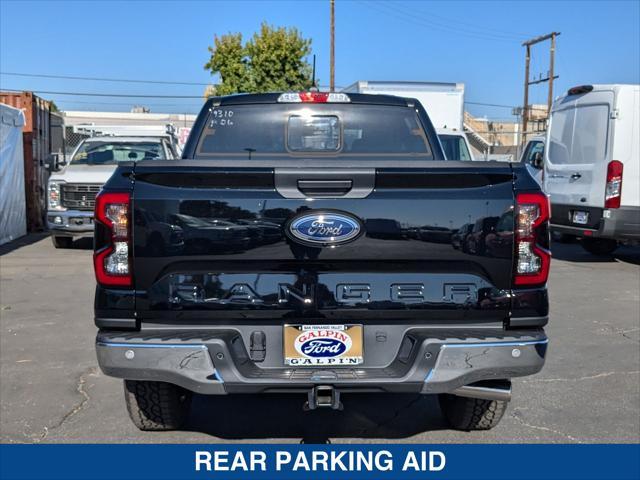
(321, 348)
(323, 343)
(324, 228)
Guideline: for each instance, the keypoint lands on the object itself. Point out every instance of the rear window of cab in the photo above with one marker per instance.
(267, 130)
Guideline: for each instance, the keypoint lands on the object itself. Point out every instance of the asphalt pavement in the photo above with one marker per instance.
(51, 389)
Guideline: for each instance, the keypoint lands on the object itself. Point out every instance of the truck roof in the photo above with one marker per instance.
(450, 131)
(600, 87)
(613, 86)
(122, 139)
(272, 97)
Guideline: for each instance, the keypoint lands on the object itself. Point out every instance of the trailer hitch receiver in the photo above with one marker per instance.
(323, 396)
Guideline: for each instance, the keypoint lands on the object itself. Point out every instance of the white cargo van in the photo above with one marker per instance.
(592, 165)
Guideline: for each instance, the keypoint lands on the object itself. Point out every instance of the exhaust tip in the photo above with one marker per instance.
(487, 390)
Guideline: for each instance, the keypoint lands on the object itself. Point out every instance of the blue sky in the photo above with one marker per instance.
(475, 42)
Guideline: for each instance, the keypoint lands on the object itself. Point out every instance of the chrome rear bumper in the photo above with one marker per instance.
(218, 363)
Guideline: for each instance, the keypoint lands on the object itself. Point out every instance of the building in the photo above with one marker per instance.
(503, 138)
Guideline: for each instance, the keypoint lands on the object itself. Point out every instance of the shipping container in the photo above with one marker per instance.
(37, 140)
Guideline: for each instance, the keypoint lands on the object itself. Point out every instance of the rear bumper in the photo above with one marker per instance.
(619, 224)
(70, 223)
(217, 362)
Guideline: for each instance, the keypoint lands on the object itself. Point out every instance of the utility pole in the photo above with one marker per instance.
(525, 108)
(332, 54)
(552, 56)
(549, 78)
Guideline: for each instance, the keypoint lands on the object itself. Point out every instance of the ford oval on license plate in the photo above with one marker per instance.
(330, 345)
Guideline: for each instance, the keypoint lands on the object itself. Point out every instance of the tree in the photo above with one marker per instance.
(273, 60)
(210, 91)
(228, 60)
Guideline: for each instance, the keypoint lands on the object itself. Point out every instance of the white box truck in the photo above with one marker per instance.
(592, 165)
(444, 102)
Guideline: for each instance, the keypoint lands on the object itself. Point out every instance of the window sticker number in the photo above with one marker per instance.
(221, 118)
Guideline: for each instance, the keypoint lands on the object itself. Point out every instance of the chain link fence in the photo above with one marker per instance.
(72, 138)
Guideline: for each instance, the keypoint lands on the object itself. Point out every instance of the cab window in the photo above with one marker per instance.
(455, 147)
(327, 130)
(532, 149)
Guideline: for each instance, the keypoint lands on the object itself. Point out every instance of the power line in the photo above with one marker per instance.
(121, 95)
(128, 95)
(99, 79)
(489, 104)
(501, 106)
(456, 25)
(183, 108)
(415, 19)
(473, 26)
(79, 102)
(332, 48)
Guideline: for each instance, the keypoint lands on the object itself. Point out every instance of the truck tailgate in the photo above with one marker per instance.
(214, 243)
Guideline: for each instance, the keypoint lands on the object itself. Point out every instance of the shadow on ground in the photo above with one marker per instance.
(573, 252)
(84, 243)
(391, 416)
(22, 242)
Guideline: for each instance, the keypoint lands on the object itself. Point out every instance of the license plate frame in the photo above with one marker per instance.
(323, 345)
(580, 217)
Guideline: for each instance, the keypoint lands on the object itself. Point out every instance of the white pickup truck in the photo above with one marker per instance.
(73, 188)
(455, 144)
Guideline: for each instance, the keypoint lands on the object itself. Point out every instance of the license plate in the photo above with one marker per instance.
(580, 217)
(81, 221)
(323, 345)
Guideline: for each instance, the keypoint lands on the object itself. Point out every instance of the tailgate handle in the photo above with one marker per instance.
(317, 182)
(325, 188)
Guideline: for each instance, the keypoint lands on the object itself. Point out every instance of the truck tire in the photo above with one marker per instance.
(156, 406)
(599, 246)
(472, 413)
(62, 242)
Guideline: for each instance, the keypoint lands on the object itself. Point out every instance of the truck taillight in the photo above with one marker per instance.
(112, 261)
(532, 239)
(613, 189)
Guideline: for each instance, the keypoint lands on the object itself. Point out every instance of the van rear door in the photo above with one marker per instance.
(576, 157)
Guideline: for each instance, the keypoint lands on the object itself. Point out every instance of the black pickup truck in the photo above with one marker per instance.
(314, 247)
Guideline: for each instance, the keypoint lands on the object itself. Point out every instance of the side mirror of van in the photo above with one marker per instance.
(51, 162)
(538, 160)
(55, 162)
